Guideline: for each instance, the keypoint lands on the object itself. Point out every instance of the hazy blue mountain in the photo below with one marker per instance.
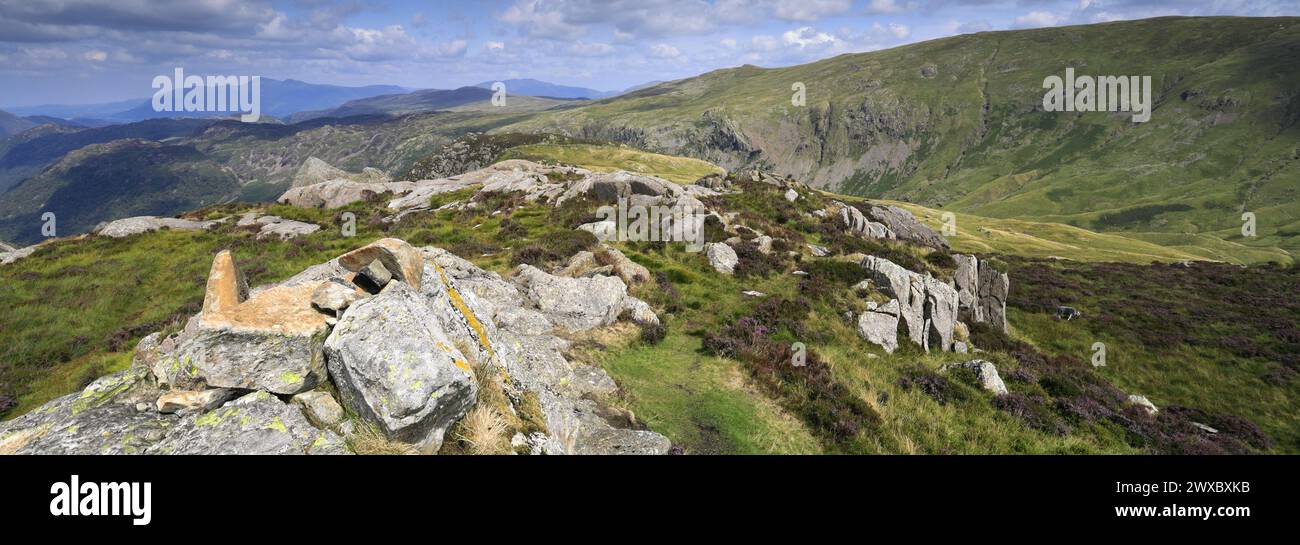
(536, 88)
(280, 98)
(404, 103)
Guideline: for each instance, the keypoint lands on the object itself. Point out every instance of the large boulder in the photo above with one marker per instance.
(905, 286)
(101, 419)
(314, 171)
(721, 257)
(985, 373)
(879, 325)
(395, 367)
(143, 224)
(576, 304)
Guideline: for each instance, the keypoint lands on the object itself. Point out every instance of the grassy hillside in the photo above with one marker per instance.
(718, 379)
(958, 123)
(604, 158)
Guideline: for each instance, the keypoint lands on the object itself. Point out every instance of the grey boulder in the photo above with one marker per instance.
(395, 368)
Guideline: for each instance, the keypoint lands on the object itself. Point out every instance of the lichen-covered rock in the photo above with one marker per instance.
(858, 224)
(879, 325)
(257, 423)
(271, 341)
(576, 304)
(283, 229)
(101, 419)
(640, 311)
(395, 367)
(721, 257)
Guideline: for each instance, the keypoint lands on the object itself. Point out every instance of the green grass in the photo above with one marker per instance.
(600, 158)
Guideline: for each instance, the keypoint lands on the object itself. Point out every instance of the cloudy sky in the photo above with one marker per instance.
(86, 51)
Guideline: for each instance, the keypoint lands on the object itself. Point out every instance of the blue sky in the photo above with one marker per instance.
(85, 51)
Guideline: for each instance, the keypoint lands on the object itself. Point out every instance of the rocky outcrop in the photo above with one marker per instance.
(907, 287)
(927, 307)
(576, 304)
(985, 373)
(339, 193)
(940, 314)
(142, 224)
(721, 257)
(904, 226)
(315, 171)
(857, 223)
(257, 423)
(982, 291)
(14, 254)
(398, 370)
(879, 325)
(607, 261)
(277, 227)
(402, 359)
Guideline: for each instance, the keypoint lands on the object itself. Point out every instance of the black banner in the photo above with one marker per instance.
(1086, 494)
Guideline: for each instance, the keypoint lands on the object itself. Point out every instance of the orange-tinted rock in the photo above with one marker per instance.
(403, 260)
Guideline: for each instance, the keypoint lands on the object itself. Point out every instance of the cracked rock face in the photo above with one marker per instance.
(927, 306)
(982, 291)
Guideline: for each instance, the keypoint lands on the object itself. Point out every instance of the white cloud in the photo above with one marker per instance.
(1039, 19)
(664, 51)
(96, 56)
(807, 37)
(889, 7)
(494, 47)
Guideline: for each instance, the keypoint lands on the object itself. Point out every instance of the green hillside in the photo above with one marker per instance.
(957, 123)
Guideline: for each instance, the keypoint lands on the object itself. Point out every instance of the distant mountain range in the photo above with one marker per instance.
(535, 88)
(280, 99)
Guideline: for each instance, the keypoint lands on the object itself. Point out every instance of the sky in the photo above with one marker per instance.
(93, 51)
